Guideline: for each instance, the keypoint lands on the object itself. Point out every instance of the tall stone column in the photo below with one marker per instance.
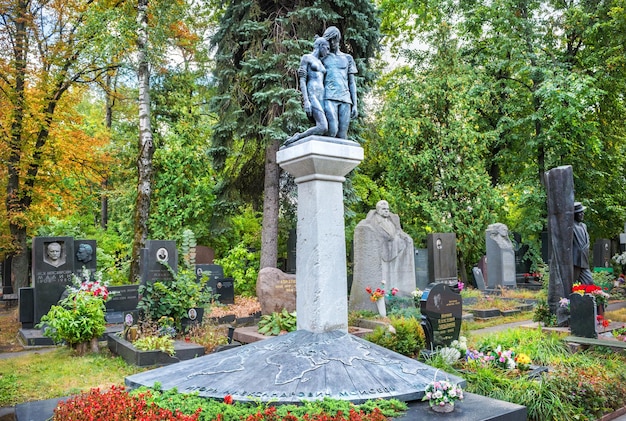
(560, 194)
(319, 165)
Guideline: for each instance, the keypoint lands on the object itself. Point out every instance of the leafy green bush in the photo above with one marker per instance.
(155, 343)
(80, 316)
(173, 298)
(275, 323)
(405, 336)
(241, 264)
(543, 314)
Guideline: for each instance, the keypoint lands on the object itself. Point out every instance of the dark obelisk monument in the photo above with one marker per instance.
(560, 191)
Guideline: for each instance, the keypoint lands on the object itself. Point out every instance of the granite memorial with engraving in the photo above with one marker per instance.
(583, 314)
(560, 197)
(276, 290)
(500, 257)
(154, 256)
(442, 266)
(223, 287)
(442, 313)
(53, 267)
(122, 300)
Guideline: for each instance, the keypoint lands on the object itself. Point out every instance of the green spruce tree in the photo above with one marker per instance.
(258, 105)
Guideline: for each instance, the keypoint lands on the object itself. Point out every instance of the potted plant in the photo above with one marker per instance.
(78, 319)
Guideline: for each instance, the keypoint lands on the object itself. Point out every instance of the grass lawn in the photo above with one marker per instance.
(57, 373)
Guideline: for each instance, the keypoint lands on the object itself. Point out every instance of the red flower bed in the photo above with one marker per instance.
(114, 405)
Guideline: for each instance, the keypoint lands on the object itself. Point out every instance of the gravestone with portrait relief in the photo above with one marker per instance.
(154, 258)
(223, 287)
(442, 258)
(442, 313)
(500, 257)
(52, 270)
(85, 256)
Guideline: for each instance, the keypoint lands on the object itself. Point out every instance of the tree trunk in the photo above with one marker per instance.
(146, 146)
(15, 203)
(269, 232)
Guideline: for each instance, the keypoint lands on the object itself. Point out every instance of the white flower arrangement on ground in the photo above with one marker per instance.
(460, 344)
(450, 355)
(440, 393)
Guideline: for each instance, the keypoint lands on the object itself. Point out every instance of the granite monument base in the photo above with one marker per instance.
(297, 366)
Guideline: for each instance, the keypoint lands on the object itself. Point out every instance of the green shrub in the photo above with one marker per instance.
(543, 314)
(275, 323)
(80, 316)
(241, 264)
(406, 336)
(155, 343)
(175, 297)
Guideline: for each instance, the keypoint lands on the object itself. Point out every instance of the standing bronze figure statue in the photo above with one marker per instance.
(580, 247)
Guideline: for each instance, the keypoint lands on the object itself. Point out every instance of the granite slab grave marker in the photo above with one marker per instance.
(154, 255)
(602, 253)
(500, 257)
(224, 287)
(421, 268)
(442, 258)
(442, 313)
(53, 267)
(27, 307)
(583, 316)
(122, 299)
(478, 278)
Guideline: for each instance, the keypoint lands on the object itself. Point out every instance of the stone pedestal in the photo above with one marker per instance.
(319, 165)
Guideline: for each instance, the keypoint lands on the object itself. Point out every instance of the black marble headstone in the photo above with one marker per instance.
(53, 267)
(583, 316)
(478, 278)
(442, 313)
(7, 287)
(27, 307)
(442, 258)
(224, 287)
(123, 298)
(153, 256)
(602, 253)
